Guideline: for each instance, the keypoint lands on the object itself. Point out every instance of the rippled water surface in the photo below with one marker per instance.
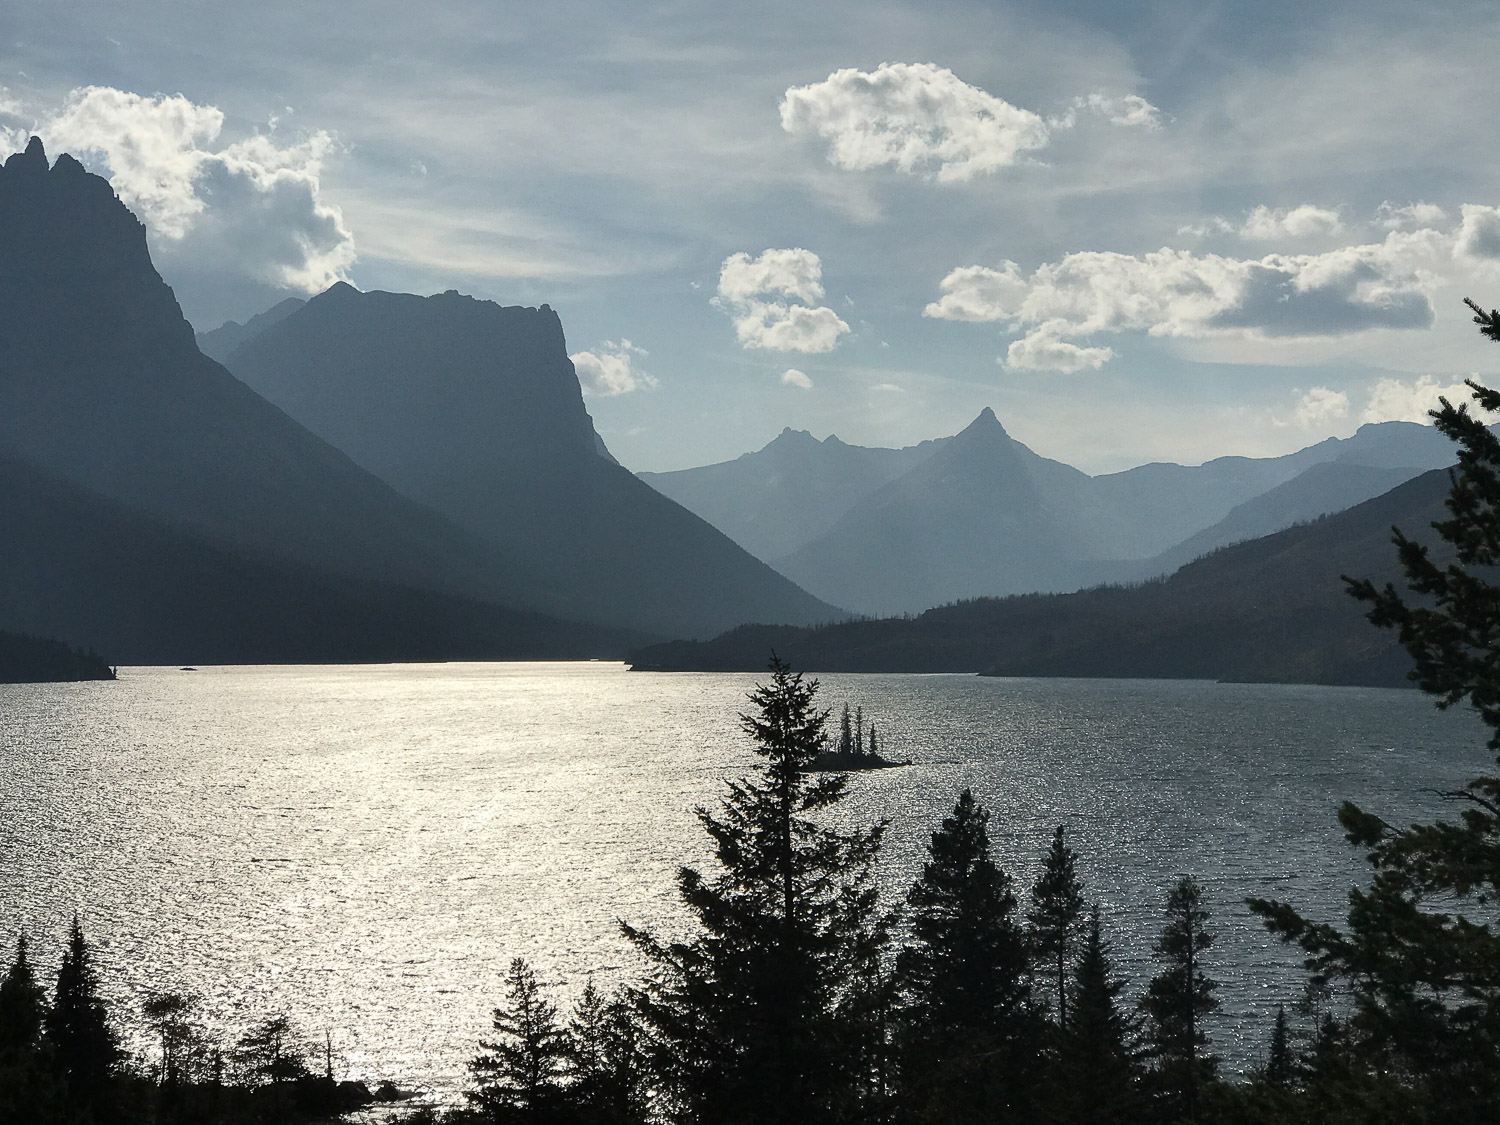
(367, 847)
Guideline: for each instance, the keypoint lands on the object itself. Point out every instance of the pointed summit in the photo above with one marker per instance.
(32, 162)
(985, 426)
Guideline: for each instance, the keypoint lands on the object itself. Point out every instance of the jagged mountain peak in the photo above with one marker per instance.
(31, 162)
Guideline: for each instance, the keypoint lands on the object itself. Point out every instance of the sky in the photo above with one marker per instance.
(1154, 231)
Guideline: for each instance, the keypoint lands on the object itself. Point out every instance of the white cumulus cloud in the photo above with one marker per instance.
(794, 378)
(1407, 216)
(253, 207)
(1321, 406)
(1478, 233)
(773, 302)
(1307, 221)
(1176, 293)
(610, 369)
(1044, 349)
(1399, 400)
(916, 117)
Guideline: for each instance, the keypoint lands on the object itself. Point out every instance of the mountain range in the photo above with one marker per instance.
(203, 522)
(474, 411)
(1271, 609)
(980, 514)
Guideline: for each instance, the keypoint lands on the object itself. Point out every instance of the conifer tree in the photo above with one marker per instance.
(1056, 909)
(607, 1062)
(753, 1014)
(518, 1076)
(846, 732)
(1279, 1063)
(968, 1025)
(1097, 1077)
(1178, 1001)
(23, 1005)
(83, 1044)
(1419, 961)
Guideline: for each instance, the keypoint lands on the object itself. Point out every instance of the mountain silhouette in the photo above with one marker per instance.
(788, 493)
(1271, 609)
(475, 410)
(148, 591)
(102, 386)
(980, 514)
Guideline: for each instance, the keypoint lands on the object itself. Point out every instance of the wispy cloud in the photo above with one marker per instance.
(799, 379)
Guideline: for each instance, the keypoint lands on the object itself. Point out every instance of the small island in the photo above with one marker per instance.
(852, 751)
(25, 659)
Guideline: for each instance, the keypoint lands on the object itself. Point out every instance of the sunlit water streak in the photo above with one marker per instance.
(367, 847)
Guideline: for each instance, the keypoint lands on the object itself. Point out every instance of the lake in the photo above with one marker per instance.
(367, 847)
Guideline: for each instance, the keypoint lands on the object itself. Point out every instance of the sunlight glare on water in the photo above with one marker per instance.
(367, 847)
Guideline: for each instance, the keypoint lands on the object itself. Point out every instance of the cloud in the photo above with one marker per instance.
(772, 300)
(1176, 293)
(1396, 400)
(1407, 216)
(1306, 221)
(794, 378)
(1478, 233)
(1130, 111)
(1320, 407)
(253, 207)
(916, 117)
(610, 369)
(1044, 349)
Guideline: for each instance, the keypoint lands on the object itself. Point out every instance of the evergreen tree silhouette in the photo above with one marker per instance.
(23, 1005)
(1056, 909)
(1279, 1062)
(518, 1076)
(969, 1030)
(83, 1045)
(1419, 960)
(1178, 1001)
(1097, 1078)
(846, 732)
(758, 1017)
(607, 1062)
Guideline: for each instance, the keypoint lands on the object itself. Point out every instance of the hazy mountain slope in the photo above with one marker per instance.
(982, 514)
(101, 382)
(1325, 488)
(79, 566)
(1272, 609)
(476, 410)
(219, 342)
(788, 493)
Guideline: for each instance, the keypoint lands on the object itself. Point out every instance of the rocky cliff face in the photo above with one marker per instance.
(475, 409)
(76, 280)
(102, 385)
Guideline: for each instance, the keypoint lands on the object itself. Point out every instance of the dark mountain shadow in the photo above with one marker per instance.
(146, 591)
(475, 410)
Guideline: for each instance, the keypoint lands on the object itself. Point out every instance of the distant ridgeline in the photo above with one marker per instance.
(40, 660)
(1270, 610)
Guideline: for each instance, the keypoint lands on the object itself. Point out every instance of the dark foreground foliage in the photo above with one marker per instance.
(62, 1061)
